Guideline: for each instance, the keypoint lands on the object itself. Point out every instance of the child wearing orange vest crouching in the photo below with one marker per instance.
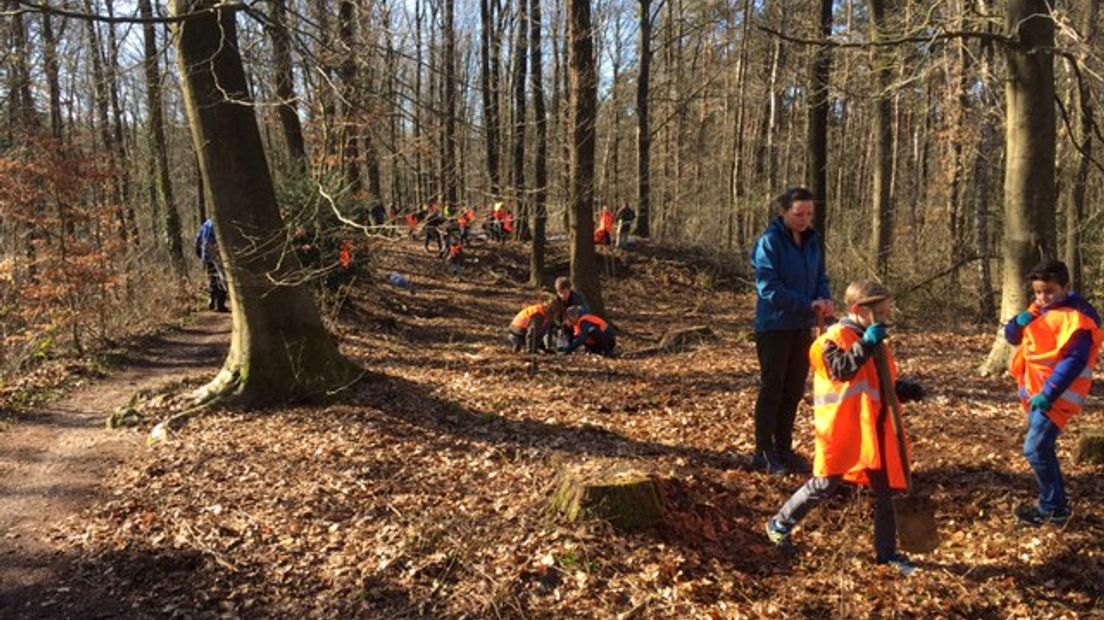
(590, 331)
(1059, 339)
(531, 325)
(855, 437)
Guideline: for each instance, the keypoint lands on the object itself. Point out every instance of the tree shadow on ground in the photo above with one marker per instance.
(412, 403)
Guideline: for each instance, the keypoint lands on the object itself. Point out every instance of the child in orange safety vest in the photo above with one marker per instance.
(1058, 340)
(855, 437)
(590, 331)
(531, 325)
(454, 258)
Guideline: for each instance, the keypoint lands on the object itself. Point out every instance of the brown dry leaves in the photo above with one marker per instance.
(425, 493)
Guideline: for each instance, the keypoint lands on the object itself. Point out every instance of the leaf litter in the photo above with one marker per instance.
(425, 492)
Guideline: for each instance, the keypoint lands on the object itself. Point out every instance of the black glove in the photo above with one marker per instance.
(909, 391)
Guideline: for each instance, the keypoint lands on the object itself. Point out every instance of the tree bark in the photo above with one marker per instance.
(450, 176)
(279, 349)
(818, 122)
(643, 127)
(285, 87)
(518, 146)
(490, 99)
(540, 167)
(1029, 190)
(49, 44)
(347, 70)
(166, 206)
(881, 244)
(1075, 213)
(584, 104)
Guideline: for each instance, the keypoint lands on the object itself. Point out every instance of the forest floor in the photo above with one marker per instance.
(425, 493)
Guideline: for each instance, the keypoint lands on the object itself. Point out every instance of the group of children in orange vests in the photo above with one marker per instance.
(1058, 338)
(561, 323)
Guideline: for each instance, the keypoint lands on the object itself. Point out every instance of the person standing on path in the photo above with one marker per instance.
(206, 249)
(792, 284)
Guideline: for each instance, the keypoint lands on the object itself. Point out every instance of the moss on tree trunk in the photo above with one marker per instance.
(279, 349)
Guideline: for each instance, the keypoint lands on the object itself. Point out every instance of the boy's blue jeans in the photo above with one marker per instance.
(1040, 448)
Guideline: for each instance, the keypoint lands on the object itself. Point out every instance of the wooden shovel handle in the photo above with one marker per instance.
(889, 395)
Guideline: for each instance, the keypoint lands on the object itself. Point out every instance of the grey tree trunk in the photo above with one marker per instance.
(540, 168)
(279, 349)
(166, 206)
(518, 146)
(817, 167)
(490, 99)
(450, 171)
(643, 128)
(584, 113)
(285, 86)
(1075, 213)
(1029, 191)
(881, 243)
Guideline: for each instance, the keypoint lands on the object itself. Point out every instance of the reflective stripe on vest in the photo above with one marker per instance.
(848, 442)
(854, 389)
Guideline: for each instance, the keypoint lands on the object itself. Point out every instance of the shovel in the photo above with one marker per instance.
(913, 512)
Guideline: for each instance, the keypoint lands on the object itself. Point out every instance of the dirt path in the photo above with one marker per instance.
(52, 463)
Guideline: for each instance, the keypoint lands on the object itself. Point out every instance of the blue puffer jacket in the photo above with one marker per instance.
(788, 278)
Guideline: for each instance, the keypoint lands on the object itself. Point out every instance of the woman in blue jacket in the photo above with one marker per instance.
(792, 282)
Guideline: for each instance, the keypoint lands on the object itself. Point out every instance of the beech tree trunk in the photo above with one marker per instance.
(279, 349)
(285, 86)
(584, 113)
(1029, 192)
(1075, 213)
(540, 168)
(490, 98)
(643, 128)
(518, 146)
(881, 243)
(450, 171)
(166, 206)
(817, 169)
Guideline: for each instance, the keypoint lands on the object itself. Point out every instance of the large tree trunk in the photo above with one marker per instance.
(285, 86)
(584, 109)
(540, 180)
(1075, 213)
(1029, 191)
(490, 98)
(162, 181)
(518, 146)
(881, 239)
(347, 70)
(818, 122)
(49, 44)
(643, 128)
(279, 349)
(450, 171)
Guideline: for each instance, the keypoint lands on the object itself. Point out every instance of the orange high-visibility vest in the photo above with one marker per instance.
(607, 221)
(846, 417)
(1042, 347)
(525, 317)
(593, 319)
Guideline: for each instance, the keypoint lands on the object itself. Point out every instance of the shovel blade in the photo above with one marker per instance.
(916, 529)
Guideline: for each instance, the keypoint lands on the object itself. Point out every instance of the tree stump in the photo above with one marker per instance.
(624, 495)
(1091, 447)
